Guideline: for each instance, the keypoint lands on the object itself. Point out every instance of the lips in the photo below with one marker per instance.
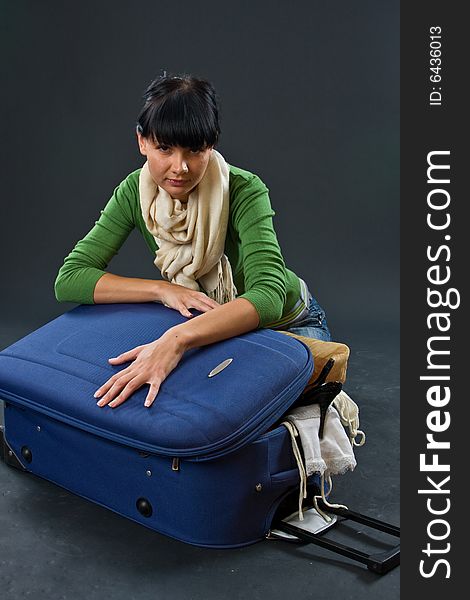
(177, 182)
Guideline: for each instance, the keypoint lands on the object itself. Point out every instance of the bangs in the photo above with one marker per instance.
(182, 118)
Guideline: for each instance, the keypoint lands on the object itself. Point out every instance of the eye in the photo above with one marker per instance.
(163, 148)
(196, 150)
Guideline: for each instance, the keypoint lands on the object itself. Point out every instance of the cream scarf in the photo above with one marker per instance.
(191, 236)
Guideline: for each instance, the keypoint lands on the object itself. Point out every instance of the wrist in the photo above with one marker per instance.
(159, 289)
(179, 337)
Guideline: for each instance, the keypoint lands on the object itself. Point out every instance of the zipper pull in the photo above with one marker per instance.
(175, 465)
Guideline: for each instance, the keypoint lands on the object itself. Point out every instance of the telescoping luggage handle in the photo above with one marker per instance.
(380, 562)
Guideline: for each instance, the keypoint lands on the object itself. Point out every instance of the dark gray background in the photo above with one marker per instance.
(309, 96)
(310, 102)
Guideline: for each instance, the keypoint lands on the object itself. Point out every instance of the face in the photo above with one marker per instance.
(175, 169)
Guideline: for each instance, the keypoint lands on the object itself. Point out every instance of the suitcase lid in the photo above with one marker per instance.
(56, 370)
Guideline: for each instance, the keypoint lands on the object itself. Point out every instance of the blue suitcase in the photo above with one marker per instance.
(205, 464)
(208, 463)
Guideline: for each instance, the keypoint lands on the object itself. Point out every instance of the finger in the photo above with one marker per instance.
(201, 302)
(126, 356)
(114, 390)
(105, 387)
(201, 297)
(152, 394)
(203, 306)
(184, 311)
(211, 302)
(108, 384)
(130, 388)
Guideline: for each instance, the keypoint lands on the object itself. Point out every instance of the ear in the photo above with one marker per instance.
(142, 143)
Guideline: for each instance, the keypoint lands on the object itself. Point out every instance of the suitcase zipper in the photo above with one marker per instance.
(175, 465)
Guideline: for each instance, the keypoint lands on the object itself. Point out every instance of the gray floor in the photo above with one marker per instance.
(57, 546)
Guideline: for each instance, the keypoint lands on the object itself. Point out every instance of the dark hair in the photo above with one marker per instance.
(180, 111)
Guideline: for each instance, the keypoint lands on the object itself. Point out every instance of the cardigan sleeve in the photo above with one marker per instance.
(88, 260)
(264, 271)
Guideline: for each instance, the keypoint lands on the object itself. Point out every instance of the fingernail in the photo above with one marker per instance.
(99, 403)
(112, 404)
(147, 403)
(96, 394)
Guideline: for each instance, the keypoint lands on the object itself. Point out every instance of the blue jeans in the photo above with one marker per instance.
(314, 325)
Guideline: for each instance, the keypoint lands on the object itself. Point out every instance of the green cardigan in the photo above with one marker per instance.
(251, 246)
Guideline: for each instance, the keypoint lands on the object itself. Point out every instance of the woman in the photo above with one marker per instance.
(208, 223)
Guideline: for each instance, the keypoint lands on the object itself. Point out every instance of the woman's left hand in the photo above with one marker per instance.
(152, 363)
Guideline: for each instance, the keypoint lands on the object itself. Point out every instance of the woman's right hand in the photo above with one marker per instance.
(181, 298)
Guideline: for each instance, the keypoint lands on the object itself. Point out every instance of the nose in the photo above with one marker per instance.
(179, 164)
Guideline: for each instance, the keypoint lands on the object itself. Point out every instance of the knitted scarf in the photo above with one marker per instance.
(191, 235)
